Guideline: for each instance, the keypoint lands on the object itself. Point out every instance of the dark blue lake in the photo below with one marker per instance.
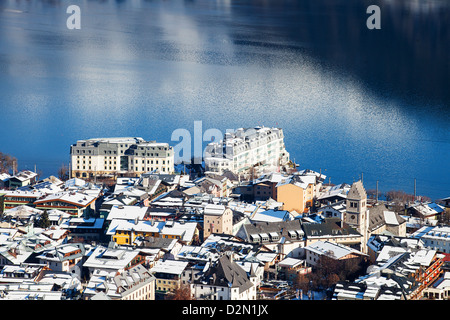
(349, 99)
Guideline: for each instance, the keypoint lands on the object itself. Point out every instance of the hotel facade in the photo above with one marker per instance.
(119, 157)
(243, 149)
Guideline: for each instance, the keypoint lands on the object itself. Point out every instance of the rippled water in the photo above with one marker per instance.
(349, 99)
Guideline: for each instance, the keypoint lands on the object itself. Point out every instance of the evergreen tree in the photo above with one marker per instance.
(43, 221)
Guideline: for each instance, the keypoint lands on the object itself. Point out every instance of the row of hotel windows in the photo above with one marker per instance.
(131, 169)
(111, 158)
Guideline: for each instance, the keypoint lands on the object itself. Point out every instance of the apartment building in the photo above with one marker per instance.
(217, 219)
(243, 149)
(168, 274)
(119, 157)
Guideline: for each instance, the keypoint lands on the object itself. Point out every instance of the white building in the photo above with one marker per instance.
(118, 156)
(64, 258)
(436, 238)
(224, 279)
(135, 283)
(244, 148)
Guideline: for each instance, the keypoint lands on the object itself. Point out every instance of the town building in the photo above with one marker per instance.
(13, 198)
(217, 219)
(135, 283)
(382, 220)
(434, 237)
(67, 258)
(399, 274)
(244, 149)
(119, 156)
(84, 229)
(168, 274)
(426, 210)
(296, 192)
(286, 238)
(112, 259)
(332, 230)
(75, 203)
(224, 279)
(21, 179)
(331, 250)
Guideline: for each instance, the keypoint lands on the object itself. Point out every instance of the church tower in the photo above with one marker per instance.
(357, 214)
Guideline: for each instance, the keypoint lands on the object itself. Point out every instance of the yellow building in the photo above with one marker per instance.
(296, 193)
(125, 232)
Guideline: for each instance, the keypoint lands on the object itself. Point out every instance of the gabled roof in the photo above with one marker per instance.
(227, 273)
(74, 198)
(380, 215)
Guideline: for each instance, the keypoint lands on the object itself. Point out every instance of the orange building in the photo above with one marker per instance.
(296, 193)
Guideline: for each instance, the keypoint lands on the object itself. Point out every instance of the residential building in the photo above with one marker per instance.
(332, 230)
(244, 149)
(168, 274)
(382, 220)
(426, 210)
(22, 215)
(75, 203)
(217, 219)
(14, 198)
(296, 192)
(331, 250)
(224, 279)
(64, 258)
(434, 237)
(333, 210)
(136, 283)
(125, 232)
(4, 180)
(439, 289)
(286, 238)
(21, 179)
(399, 274)
(20, 273)
(84, 229)
(112, 259)
(119, 157)
(264, 187)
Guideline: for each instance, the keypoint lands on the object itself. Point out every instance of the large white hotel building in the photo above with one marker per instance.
(242, 149)
(119, 157)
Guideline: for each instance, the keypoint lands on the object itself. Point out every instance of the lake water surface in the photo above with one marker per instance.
(349, 99)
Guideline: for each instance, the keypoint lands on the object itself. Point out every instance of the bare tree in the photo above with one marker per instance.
(183, 292)
(63, 172)
(302, 282)
(7, 162)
